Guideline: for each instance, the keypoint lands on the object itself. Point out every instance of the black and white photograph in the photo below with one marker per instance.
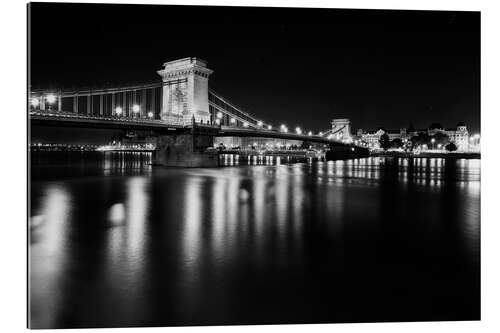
(211, 165)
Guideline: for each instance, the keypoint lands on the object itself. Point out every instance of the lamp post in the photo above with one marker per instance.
(35, 102)
(150, 114)
(136, 109)
(432, 141)
(118, 111)
(51, 99)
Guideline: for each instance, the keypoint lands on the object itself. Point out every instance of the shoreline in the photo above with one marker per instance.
(428, 155)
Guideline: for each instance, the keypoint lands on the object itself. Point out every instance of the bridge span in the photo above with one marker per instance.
(181, 111)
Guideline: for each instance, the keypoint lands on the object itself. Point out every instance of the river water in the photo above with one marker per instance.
(117, 242)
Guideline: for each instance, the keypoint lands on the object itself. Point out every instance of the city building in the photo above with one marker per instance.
(458, 135)
(372, 138)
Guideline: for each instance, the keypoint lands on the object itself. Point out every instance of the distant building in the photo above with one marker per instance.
(372, 138)
(459, 136)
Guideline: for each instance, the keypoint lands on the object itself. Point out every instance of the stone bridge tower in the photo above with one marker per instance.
(341, 129)
(185, 91)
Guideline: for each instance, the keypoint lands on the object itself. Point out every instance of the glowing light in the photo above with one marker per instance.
(51, 98)
(118, 110)
(269, 127)
(433, 140)
(233, 121)
(35, 102)
(245, 124)
(310, 133)
(320, 133)
(284, 128)
(219, 114)
(136, 108)
(217, 121)
(298, 130)
(150, 114)
(259, 123)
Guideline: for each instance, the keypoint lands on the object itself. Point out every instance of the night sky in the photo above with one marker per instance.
(284, 65)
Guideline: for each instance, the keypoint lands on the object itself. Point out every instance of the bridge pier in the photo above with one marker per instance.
(187, 149)
(346, 152)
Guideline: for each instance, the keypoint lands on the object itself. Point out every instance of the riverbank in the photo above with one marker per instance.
(427, 155)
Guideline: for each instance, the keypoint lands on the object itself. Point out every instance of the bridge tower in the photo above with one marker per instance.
(185, 91)
(341, 129)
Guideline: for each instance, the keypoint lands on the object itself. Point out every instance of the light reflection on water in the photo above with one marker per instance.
(269, 242)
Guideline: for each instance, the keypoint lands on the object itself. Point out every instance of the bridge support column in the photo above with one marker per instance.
(187, 149)
(346, 152)
(180, 150)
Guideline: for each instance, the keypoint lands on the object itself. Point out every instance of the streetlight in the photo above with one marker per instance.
(309, 133)
(219, 115)
(298, 130)
(118, 111)
(259, 123)
(320, 133)
(233, 121)
(217, 121)
(245, 124)
(35, 102)
(51, 99)
(269, 127)
(150, 114)
(136, 109)
(433, 140)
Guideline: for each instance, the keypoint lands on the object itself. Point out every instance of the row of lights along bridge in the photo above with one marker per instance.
(51, 99)
(283, 128)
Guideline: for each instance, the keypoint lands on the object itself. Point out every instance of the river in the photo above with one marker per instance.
(114, 241)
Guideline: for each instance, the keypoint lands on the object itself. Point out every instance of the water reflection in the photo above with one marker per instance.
(49, 240)
(270, 242)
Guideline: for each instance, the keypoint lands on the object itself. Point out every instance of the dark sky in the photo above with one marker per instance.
(285, 65)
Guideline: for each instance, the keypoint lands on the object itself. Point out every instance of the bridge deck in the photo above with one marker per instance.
(75, 120)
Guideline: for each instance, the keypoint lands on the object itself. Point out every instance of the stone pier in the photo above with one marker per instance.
(346, 152)
(191, 148)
